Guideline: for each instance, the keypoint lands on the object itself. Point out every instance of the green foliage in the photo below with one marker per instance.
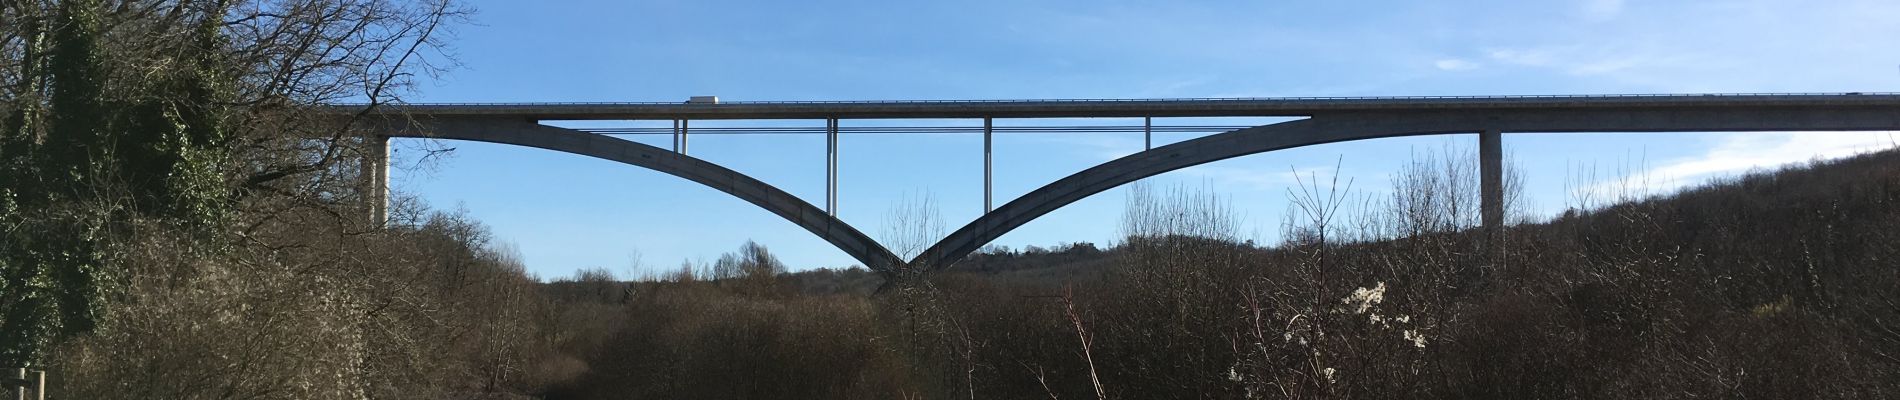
(98, 153)
(175, 135)
(77, 140)
(54, 223)
(176, 223)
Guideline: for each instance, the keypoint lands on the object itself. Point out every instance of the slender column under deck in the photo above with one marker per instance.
(683, 132)
(1491, 178)
(831, 166)
(676, 136)
(986, 165)
(1148, 133)
(376, 179)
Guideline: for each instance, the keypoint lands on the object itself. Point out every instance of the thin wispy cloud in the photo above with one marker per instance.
(1454, 64)
(1737, 153)
(1648, 47)
(1601, 10)
(1174, 87)
(1536, 57)
(1606, 66)
(1586, 61)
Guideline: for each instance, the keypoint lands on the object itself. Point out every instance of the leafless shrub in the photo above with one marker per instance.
(1588, 190)
(699, 340)
(1087, 341)
(1438, 192)
(912, 225)
(1181, 211)
(1688, 295)
(752, 270)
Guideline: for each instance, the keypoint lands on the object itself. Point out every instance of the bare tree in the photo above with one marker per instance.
(912, 225)
(1179, 211)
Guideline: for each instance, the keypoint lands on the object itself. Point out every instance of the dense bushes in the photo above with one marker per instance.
(1772, 285)
(430, 311)
(180, 216)
(741, 336)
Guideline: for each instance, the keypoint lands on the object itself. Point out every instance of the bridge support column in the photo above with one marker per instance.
(986, 166)
(831, 166)
(1491, 178)
(375, 175)
(676, 136)
(1147, 133)
(683, 132)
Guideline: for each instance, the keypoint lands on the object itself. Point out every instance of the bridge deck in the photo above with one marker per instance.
(1204, 107)
(1331, 120)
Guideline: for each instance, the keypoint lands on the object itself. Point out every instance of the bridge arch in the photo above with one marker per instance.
(1341, 127)
(1134, 167)
(526, 133)
(505, 127)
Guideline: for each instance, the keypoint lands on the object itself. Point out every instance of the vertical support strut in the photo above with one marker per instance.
(683, 132)
(1491, 178)
(986, 166)
(376, 179)
(676, 136)
(1148, 133)
(831, 166)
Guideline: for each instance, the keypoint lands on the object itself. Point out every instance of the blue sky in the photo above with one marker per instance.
(565, 212)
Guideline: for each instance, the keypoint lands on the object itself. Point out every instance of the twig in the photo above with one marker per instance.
(1081, 332)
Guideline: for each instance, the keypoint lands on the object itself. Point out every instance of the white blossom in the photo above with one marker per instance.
(1417, 339)
(1363, 299)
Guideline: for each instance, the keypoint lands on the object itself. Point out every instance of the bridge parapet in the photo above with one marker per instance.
(1132, 108)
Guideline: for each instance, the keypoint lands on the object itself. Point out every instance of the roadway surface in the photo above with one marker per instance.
(1073, 108)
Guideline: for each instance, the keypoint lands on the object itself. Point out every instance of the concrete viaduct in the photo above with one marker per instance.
(1320, 120)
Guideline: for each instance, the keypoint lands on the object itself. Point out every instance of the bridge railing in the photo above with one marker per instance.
(1175, 99)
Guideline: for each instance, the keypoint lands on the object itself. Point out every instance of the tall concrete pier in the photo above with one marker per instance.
(1491, 178)
(376, 178)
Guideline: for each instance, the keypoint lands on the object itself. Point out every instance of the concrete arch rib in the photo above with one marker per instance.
(785, 205)
(1259, 139)
(1330, 128)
